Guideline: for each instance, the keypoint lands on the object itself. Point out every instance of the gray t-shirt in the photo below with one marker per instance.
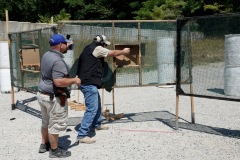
(52, 67)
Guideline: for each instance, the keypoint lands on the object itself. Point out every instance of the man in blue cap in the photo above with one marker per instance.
(54, 89)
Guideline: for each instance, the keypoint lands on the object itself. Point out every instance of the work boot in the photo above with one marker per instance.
(86, 139)
(102, 127)
(59, 153)
(44, 148)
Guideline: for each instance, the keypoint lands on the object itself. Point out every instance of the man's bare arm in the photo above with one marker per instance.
(115, 53)
(64, 82)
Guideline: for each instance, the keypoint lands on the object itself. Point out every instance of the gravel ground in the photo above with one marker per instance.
(146, 131)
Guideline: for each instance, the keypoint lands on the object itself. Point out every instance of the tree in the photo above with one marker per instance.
(102, 9)
(29, 10)
(193, 8)
(170, 10)
(62, 16)
(160, 9)
(217, 8)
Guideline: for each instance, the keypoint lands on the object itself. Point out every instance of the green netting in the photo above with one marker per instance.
(210, 58)
(153, 41)
(27, 78)
(156, 42)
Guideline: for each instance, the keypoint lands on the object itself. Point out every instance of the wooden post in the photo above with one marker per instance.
(177, 107)
(78, 97)
(192, 106)
(69, 99)
(9, 43)
(52, 21)
(140, 54)
(7, 25)
(113, 102)
(114, 68)
(190, 74)
(102, 99)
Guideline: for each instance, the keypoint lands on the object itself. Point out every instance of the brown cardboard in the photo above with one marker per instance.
(129, 60)
(31, 57)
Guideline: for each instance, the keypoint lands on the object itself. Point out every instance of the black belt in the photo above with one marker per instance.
(45, 93)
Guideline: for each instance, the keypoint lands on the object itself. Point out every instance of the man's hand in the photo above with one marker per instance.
(68, 44)
(126, 51)
(77, 81)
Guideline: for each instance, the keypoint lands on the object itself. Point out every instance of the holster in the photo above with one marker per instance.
(63, 99)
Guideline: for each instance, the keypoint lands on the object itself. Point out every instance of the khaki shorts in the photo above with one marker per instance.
(54, 116)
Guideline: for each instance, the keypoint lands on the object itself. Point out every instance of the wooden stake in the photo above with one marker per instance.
(7, 26)
(12, 88)
(78, 97)
(102, 99)
(140, 54)
(177, 106)
(192, 105)
(113, 101)
(13, 103)
(69, 99)
(190, 74)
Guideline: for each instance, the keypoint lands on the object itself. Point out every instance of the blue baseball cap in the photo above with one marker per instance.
(57, 39)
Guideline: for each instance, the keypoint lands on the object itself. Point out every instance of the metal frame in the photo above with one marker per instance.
(179, 91)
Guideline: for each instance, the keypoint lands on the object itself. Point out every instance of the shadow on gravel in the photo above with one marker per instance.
(163, 116)
(203, 128)
(169, 119)
(64, 142)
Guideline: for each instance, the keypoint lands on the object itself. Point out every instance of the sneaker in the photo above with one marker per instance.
(59, 153)
(102, 127)
(44, 148)
(87, 140)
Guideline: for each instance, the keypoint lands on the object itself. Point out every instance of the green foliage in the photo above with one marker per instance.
(145, 12)
(163, 9)
(219, 8)
(193, 8)
(41, 11)
(90, 10)
(62, 16)
(102, 9)
(169, 10)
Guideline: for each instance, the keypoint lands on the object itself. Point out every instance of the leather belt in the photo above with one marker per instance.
(45, 93)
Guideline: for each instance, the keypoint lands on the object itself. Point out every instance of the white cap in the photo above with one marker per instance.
(104, 39)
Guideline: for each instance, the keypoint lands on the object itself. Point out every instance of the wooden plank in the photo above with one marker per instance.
(31, 71)
(77, 106)
(80, 108)
(111, 117)
(117, 116)
(73, 107)
(113, 21)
